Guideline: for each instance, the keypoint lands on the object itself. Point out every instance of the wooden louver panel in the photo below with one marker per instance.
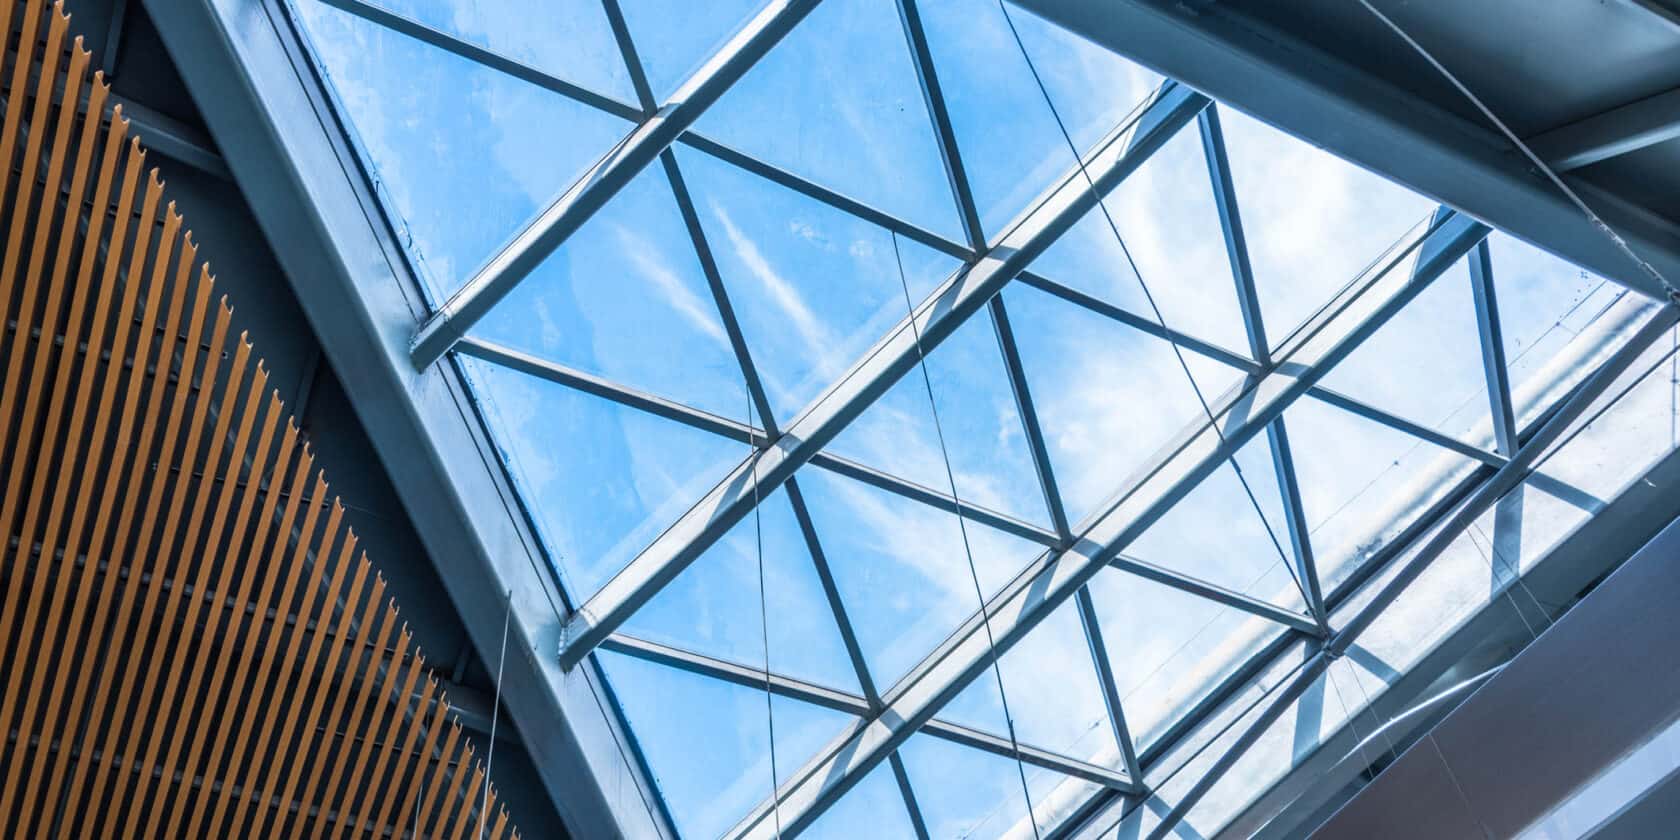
(190, 643)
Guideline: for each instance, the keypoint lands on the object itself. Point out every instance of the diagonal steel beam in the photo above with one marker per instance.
(1491, 335)
(1504, 480)
(949, 153)
(734, 430)
(1349, 319)
(842, 701)
(561, 219)
(1118, 155)
(605, 104)
(1248, 301)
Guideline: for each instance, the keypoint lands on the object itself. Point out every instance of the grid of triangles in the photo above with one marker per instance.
(872, 153)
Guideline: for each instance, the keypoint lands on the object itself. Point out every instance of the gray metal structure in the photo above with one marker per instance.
(288, 149)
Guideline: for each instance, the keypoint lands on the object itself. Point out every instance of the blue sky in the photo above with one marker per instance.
(464, 157)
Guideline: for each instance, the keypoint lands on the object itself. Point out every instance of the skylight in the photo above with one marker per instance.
(751, 278)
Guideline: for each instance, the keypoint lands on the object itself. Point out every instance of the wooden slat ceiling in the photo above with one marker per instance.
(190, 643)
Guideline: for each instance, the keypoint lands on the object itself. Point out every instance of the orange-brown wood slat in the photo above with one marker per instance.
(418, 765)
(348, 798)
(406, 756)
(90, 678)
(260, 792)
(31, 627)
(146, 618)
(188, 704)
(374, 675)
(263, 681)
(25, 809)
(367, 787)
(235, 702)
(327, 685)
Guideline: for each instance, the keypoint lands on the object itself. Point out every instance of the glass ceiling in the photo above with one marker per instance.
(857, 167)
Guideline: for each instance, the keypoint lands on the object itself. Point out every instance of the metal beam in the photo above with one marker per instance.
(173, 139)
(468, 50)
(1362, 308)
(1616, 132)
(1105, 678)
(1295, 516)
(1120, 153)
(488, 58)
(841, 701)
(1236, 242)
(949, 152)
(1254, 325)
(1307, 92)
(561, 219)
(831, 593)
(1401, 424)
(1503, 480)
(284, 144)
(725, 427)
(1031, 428)
(1492, 339)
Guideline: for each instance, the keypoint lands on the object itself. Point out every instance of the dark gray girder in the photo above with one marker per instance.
(1116, 156)
(1362, 308)
(1293, 85)
(1615, 132)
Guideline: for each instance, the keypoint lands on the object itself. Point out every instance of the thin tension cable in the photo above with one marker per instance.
(495, 716)
(973, 571)
(764, 635)
(1160, 320)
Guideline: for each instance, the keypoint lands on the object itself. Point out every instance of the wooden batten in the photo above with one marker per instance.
(191, 643)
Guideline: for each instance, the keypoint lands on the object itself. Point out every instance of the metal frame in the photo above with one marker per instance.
(269, 111)
(1276, 377)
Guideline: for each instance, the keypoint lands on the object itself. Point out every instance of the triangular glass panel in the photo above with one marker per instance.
(1425, 364)
(1312, 220)
(642, 471)
(967, 793)
(570, 39)
(713, 607)
(1216, 534)
(468, 178)
(1169, 648)
(814, 288)
(873, 809)
(1361, 482)
(1094, 89)
(838, 102)
(1544, 303)
(708, 741)
(1071, 720)
(1108, 396)
(625, 298)
(1170, 229)
(674, 39)
(1007, 135)
(901, 568)
(978, 416)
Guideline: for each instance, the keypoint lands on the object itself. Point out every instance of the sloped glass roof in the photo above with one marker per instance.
(872, 161)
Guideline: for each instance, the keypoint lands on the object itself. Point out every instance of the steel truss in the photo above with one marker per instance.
(1277, 375)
